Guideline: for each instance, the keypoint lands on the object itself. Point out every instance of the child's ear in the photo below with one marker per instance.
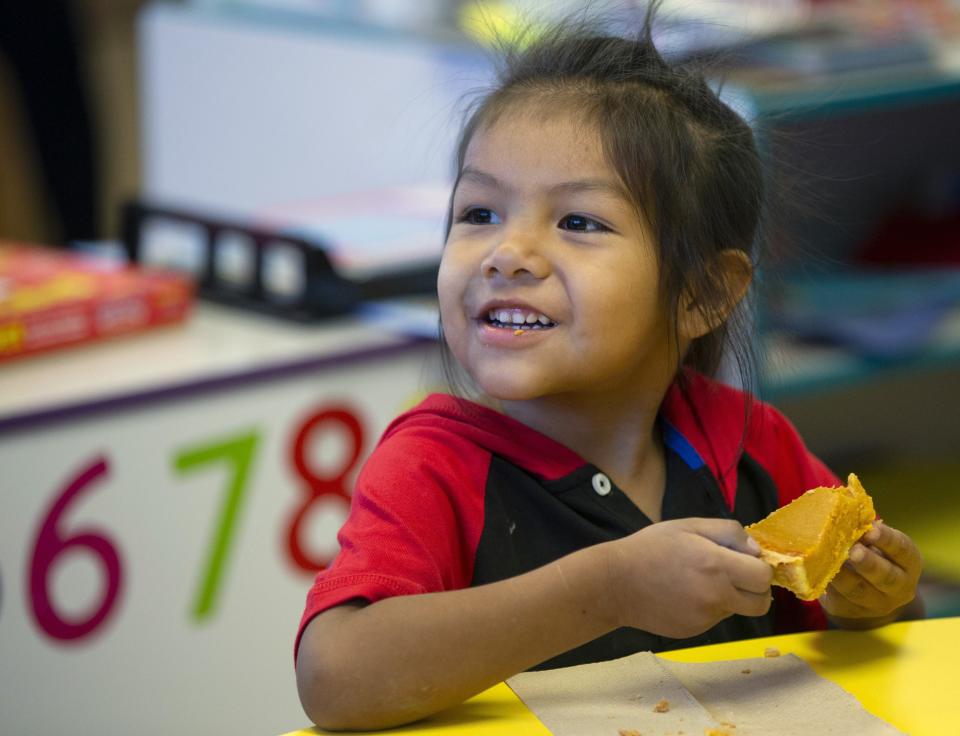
(734, 273)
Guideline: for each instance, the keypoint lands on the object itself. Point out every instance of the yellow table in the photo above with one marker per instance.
(906, 673)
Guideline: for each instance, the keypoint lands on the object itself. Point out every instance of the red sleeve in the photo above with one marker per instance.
(415, 521)
(775, 444)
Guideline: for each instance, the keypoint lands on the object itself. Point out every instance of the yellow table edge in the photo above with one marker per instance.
(905, 673)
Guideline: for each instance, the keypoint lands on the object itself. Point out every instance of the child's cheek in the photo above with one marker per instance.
(444, 288)
(452, 315)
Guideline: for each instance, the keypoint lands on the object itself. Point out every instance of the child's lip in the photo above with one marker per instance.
(504, 337)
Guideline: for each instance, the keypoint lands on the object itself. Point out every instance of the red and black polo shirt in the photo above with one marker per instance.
(457, 495)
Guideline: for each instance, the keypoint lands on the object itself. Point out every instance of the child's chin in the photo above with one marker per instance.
(512, 391)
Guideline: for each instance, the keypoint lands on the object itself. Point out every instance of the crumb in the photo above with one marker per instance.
(746, 671)
(727, 724)
(629, 732)
(716, 732)
(518, 332)
(662, 706)
(771, 652)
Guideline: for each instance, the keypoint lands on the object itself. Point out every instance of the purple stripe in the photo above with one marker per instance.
(32, 419)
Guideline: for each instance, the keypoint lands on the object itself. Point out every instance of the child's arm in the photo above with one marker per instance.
(878, 582)
(402, 658)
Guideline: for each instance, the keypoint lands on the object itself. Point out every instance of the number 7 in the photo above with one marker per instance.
(238, 453)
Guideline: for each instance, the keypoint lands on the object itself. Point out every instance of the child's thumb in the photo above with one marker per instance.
(727, 533)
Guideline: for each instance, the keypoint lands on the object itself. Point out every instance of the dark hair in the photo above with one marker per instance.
(688, 162)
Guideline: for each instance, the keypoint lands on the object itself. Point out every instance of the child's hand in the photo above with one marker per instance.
(679, 578)
(877, 580)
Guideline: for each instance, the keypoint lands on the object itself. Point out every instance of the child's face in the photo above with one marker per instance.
(541, 232)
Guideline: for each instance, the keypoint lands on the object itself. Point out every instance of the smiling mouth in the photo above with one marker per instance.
(518, 320)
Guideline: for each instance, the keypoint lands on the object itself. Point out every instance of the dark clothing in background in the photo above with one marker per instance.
(39, 41)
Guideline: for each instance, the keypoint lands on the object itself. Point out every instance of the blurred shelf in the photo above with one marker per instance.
(838, 71)
(791, 369)
(821, 96)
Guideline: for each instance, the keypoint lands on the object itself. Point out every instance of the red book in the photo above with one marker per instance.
(51, 298)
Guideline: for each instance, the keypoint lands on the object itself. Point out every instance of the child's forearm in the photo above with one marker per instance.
(404, 658)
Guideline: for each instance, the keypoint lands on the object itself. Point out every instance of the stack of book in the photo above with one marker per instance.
(51, 298)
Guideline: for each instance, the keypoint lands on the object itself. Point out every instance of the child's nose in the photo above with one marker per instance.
(514, 256)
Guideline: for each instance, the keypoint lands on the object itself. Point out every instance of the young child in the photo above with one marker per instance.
(590, 504)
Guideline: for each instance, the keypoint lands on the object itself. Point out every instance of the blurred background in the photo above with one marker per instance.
(241, 204)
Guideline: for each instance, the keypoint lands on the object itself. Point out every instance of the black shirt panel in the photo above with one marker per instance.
(691, 493)
(529, 522)
(759, 498)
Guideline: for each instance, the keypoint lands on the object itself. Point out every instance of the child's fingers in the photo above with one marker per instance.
(727, 533)
(855, 588)
(836, 605)
(861, 592)
(895, 545)
(747, 603)
(747, 573)
(879, 571)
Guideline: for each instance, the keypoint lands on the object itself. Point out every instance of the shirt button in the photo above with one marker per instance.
(601, 484)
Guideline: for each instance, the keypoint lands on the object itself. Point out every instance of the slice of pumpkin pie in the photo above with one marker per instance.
(807, 540)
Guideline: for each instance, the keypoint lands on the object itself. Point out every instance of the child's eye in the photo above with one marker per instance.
(582, 224)
(479, 216)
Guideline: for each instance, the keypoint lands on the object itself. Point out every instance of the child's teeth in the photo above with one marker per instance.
(518, 317)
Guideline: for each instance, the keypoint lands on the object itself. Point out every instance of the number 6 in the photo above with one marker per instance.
(51, 544)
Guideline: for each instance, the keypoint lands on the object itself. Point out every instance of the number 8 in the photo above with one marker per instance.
(318, 485)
